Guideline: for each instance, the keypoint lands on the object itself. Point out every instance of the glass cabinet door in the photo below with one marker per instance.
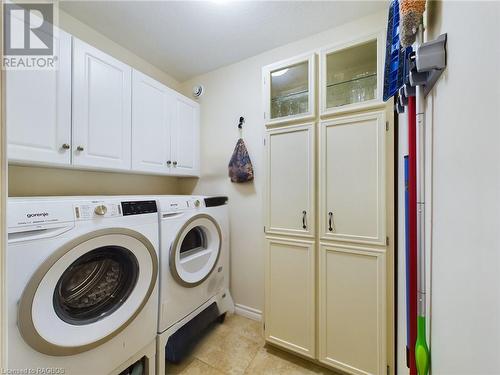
(289, 92)
(349, 76)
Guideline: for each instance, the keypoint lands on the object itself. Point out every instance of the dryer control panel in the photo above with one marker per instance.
(175, 204)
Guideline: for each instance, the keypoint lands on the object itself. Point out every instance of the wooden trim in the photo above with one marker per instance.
(248, 312)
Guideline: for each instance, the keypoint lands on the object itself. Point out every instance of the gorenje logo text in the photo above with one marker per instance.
(28, 36)
(38, 214)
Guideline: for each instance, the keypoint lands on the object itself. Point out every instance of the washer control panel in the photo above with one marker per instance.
(97, 209)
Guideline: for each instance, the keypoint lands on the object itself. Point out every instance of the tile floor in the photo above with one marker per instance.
(236, 348)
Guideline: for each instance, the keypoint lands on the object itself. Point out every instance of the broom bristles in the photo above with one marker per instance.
(411, 13)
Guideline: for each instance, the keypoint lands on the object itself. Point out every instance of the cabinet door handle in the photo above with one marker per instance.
(65, 146)
(175, 163)
(168, 163)
(304, 225)
(330, 220)
(79, 148)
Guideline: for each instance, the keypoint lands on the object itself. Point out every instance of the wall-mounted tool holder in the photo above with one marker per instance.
(428, 63)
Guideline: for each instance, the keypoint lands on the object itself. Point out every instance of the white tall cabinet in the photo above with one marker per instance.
(328, 208)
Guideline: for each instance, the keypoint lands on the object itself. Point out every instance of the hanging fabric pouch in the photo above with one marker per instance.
(240, 166)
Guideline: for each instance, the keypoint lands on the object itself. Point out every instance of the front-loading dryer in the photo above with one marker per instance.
(82, 287)
(194, 261)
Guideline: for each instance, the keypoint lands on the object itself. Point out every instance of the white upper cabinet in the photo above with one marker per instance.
(38, 111)
(290, 186)
(289, 90)
(351, 75)
(101, 109)
(152, 114)
(185, 137)
(352, 199)
(93, 112)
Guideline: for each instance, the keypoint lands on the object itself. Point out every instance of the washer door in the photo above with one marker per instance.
(88, 291)
(195, 251)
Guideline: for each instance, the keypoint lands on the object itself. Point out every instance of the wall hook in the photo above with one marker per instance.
(242, 120)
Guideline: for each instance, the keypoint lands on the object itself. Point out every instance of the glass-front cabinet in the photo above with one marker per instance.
(350, 76)
(289, 90)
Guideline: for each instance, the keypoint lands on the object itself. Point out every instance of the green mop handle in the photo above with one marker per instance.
(422, 355)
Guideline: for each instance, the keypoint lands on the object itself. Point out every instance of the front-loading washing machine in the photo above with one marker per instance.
(82, 288)
(194, 262)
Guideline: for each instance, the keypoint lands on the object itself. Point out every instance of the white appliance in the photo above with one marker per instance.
(194, 261)
(81, 282)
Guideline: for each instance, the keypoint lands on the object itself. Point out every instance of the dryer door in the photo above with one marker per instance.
(195, 251)
(88, 291)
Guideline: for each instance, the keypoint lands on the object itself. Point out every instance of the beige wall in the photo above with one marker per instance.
(463, 117)
(31, 181)
(235, 91)
(37, 181)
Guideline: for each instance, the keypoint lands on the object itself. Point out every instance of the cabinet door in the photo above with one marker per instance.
(38, 111)
(101, 109)
(352, 309)
(289, 90)
(290, 295)
(350, 75)
(290, 181)
(352, 179)
(186, 137)
(152, 110)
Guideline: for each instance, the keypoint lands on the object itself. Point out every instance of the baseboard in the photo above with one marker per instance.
(248, 312)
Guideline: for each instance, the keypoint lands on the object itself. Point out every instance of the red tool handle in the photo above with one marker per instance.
(412, 195)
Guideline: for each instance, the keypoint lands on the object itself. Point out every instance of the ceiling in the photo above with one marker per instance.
(188, 38)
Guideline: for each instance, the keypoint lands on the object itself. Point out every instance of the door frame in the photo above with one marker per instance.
(3, 205)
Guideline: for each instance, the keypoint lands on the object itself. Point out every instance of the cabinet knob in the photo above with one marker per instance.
(65, 146)
(169, 162)
(79, 148)
(175, 163)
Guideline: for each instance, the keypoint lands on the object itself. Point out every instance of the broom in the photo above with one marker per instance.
(411, 16)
